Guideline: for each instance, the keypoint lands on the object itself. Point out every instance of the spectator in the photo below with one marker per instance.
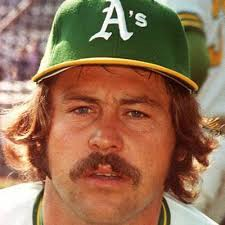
(22, 65)
(33, 57)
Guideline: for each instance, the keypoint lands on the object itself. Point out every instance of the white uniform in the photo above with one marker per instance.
(18, 206)
(209, 15)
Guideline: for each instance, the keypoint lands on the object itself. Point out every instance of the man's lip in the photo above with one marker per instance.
(106, 181)
(101, 175)
(98, 179)
(105, 177)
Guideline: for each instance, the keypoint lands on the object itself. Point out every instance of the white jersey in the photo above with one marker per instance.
(19, 205)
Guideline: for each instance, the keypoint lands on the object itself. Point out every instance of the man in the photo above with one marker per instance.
(205, 28)
(112, 124)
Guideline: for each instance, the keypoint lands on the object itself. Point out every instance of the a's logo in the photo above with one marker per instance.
(120, 20)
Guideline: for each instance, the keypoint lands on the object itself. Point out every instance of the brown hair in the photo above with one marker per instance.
(27, 129)
(192, 145)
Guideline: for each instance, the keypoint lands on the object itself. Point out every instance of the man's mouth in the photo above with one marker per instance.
(105, 174)
(108, 169)
(106, 177)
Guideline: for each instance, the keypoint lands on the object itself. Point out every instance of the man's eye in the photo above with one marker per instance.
(82, 110)
(137, 114)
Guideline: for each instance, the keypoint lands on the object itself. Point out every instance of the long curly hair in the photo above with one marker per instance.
(26, 129)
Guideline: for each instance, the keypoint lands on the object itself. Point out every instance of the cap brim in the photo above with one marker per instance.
(56, 69)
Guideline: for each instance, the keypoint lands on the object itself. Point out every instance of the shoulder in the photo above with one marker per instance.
(17, 203)
(182, 214)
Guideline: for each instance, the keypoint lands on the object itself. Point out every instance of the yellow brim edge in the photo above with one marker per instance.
(116, 61)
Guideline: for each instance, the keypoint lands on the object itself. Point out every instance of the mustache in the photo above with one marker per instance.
(118, 165)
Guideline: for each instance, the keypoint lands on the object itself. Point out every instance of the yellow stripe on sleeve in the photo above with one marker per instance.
(189, 16)
(191, 20)
(192, 24)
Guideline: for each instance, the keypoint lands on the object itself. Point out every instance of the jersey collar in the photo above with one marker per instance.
(164, 218)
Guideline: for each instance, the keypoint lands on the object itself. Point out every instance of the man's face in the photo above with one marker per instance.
(110, 141)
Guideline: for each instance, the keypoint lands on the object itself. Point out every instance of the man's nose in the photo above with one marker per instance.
(106, 138)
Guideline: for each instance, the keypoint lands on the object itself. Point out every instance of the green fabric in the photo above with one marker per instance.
(165, 216)
(157, 35)
(199, 57)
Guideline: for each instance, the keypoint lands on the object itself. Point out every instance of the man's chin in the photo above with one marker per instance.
(105, 215)
(106, 209)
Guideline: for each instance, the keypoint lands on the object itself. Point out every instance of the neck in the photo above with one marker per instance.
(57, 212)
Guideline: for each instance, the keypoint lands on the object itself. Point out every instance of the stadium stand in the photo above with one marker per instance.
(23, 38)
(21, 29)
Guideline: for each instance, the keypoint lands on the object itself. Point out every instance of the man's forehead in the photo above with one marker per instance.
(120, 81)
(96, 74)
(76, 73)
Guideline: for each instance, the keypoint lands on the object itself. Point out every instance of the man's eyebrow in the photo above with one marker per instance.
(130, 100)
(79, 97)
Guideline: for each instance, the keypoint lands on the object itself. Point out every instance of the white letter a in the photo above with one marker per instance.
(120, 20)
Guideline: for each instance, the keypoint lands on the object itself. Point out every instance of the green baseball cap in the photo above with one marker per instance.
(140, 33)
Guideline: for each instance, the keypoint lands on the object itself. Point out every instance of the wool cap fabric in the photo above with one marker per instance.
(139, 33)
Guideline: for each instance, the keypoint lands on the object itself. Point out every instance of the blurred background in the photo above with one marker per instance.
(24, 28)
